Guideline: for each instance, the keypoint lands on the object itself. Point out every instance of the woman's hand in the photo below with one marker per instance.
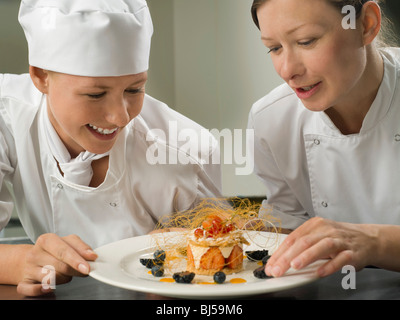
(341, 243)
(67, 255)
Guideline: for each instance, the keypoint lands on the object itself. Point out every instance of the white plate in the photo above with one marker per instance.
(118, 265)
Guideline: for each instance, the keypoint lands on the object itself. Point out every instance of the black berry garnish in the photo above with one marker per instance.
(260, 273)
(265, 260)
(159, 255)
(157, 271)
(256, 255)
(183, 277)
(150, 263)
(219, 277)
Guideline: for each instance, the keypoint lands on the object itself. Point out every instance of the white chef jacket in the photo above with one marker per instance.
(135, 192)
(311, 169)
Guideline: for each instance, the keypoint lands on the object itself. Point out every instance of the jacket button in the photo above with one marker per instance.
(113, 204)
(324, 204)
(397, 137)
(317, 142)
(60, 186)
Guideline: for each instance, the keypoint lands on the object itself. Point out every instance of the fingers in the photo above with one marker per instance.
(54, 259)
(310, 242)
(293, 237)
(81, 247)
(71, 251)
(31, 288)
(41, 280)
(285, 245)
(294, 252)
(324, 248)
(336, 264)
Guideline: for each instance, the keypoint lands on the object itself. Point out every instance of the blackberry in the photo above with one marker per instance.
(219, 277)
(157, 271)
(260, 273)
(159, 255)
(265, 260)
(145, 262)
(256, 255)
(183, 277)
(150, 263)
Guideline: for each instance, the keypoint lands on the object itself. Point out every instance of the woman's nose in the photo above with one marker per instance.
(291, 66)
(117, 113)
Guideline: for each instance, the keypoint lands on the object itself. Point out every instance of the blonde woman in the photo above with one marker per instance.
(327, 142)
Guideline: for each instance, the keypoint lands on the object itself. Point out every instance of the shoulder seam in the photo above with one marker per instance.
(262, 108)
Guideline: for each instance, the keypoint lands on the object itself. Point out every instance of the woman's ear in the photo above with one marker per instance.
(40, 79)
(371, 21)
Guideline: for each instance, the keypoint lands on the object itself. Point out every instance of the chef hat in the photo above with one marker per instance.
(88, 37)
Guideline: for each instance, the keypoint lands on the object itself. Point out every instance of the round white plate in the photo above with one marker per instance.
(118, 265)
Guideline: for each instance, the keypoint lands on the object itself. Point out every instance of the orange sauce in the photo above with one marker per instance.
(174, 257)
(167, 280)
(205, 282)
(237, 280)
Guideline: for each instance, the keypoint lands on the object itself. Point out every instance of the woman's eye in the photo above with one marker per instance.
(274, 49)
(306, 43)
(134, 91)
(96, 95)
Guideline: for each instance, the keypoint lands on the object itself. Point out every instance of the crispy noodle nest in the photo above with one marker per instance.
(243, 213)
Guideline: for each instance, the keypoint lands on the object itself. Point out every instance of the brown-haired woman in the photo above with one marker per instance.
(327, 142)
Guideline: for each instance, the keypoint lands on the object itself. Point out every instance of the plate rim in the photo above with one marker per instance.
(186, 291)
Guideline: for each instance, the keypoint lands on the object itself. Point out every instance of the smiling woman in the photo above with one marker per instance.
(89, 113)
(324, 64)
(340, 107)
(73, 142)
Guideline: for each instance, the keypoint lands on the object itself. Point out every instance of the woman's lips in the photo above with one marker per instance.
(102, 134)
(308, 91)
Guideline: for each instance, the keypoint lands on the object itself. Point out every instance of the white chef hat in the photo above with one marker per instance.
(92, 38)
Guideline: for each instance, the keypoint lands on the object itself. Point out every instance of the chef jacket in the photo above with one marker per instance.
(136, 192)
(311, 169)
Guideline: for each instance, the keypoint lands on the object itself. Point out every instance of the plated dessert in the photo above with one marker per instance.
(215, 246)
(211, 243)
